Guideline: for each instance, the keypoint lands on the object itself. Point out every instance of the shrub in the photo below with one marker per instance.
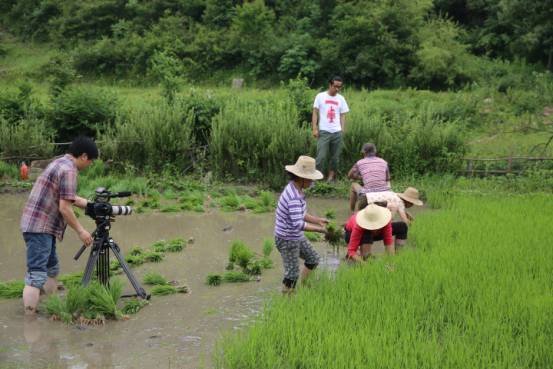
(82, 111)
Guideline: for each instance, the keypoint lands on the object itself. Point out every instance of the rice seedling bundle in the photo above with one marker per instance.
(134, 260)
(11, 289)
(159, 246)
(214, 279)
(475, 293)
(268, 246)
(235, 276)
(153, 256)
(135, 251)
(330, 214)
(240, 253)
(334, 234)
(175, 245)
(134, 305)
(154, 278)
(162, 290)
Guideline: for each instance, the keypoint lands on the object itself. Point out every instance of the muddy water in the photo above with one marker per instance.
(177, 331)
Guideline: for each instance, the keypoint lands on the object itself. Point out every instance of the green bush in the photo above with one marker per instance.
(17, 105)
(82, 111)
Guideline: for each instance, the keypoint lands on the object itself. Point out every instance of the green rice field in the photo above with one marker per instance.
(474, 290)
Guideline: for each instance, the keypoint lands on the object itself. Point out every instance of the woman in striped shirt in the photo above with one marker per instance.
(291, 219)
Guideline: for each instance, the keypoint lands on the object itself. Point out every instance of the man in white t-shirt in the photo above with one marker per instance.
(329, 109)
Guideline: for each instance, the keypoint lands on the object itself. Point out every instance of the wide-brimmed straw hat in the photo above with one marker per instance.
(373, 217)
(305, 168)
(411, 194)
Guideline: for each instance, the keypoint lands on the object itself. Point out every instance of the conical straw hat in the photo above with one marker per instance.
(305, 168)
(373, 217)
(411, 194)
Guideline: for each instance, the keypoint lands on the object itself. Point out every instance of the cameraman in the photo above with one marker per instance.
(46, 215)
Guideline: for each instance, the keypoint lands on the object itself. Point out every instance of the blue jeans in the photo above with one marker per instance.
(42, 260)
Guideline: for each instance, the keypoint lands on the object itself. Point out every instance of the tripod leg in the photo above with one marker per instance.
(95, 250)
(137, 287)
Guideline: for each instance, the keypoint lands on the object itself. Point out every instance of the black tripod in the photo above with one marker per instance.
(99, 257)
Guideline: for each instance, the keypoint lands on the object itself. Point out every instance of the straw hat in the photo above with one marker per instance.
(373, 217)
(305, 168)
(411, 194)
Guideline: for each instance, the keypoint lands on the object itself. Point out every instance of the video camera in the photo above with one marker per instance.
(101, 207)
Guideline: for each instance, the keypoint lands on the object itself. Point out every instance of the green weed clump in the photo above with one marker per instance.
(170, 209)
(462, 299)
(135, 260)
(136, 251)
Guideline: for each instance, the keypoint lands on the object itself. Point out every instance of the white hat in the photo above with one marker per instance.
(305, 168)
(373, 217)
(411, 194)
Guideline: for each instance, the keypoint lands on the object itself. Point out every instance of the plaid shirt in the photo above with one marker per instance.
(41, 213)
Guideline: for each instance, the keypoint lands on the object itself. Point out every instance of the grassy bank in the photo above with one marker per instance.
(475, 292)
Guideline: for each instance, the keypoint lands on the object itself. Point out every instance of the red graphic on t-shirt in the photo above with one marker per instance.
(331, 114)
(333, 102)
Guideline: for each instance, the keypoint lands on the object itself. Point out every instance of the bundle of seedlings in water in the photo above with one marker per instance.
(268, 246)
(134, 260)
(334, 234)
(240, 253)
(254, 267)
(153, 257)
(162, 290)
(214, 279)
(154, 278)
(230, 202)
(265, 202)
(136, 251)
(159, 246)
(330, 214)
(175, 245)
(11, 289)
(313, 236)
(91, 304)
(235, 276)
(192, 200)
(71, 280)
(134, 305)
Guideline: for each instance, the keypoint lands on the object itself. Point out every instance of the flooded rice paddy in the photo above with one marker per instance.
(177, 331)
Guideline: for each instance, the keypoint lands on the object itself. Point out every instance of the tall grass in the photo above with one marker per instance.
(476, 292)
(152, 137)
(253, 142)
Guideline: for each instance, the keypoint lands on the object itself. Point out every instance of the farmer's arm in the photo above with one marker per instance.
(355, 242)
(343, 122)
(314, 118)
(404, 216)
(66, 210)
(80, 202)
(354, 172)
(317, 222)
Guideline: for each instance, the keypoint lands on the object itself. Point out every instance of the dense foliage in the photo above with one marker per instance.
(423, 43)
